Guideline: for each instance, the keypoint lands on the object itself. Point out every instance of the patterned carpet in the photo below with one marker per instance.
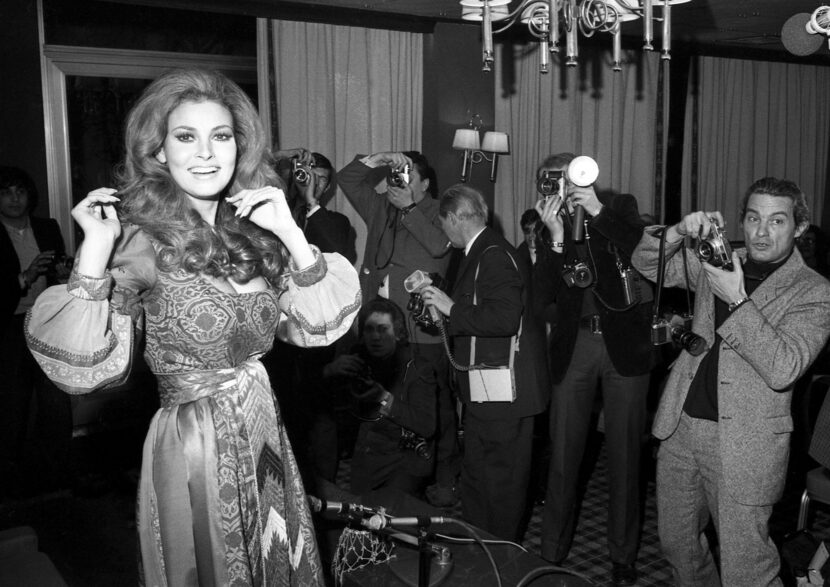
(589, 554)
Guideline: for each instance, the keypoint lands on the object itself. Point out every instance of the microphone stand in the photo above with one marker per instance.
(424, 554)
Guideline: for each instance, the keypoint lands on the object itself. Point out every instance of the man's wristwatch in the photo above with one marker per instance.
(407, 209)
(735, 305)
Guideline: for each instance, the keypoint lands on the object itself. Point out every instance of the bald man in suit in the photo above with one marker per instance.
(490, 302)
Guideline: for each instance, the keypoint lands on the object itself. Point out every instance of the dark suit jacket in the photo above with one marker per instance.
(627, 334)
(331, 232)
(48, 237)
(501, 301)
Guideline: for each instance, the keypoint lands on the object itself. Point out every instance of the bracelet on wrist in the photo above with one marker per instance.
(557, 245)
(735, 305)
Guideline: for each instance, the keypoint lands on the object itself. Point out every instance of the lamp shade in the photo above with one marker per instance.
(476, 13)
(495, 142)
(624, 12)
(466, 138)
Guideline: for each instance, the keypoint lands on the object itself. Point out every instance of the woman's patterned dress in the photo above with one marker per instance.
(220, 499)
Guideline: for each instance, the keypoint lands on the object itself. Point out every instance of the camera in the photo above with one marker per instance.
(301, 172)
(548, 182)
(578, 275)
(715, 250)
(414, 285)
(678, 330)
(418, 444)
(61, 262)
(398, 177)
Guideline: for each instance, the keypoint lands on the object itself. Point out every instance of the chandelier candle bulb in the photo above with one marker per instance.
(648, 25)
(572, 48)
(487, 34)
(666, 31)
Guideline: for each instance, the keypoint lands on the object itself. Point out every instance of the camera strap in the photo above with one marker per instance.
(514, 340)
(661, 275)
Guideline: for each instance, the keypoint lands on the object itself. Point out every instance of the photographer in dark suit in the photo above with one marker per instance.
(310, 421)
(393, 394)
(31, 257)
(489, 304)
(601, 339)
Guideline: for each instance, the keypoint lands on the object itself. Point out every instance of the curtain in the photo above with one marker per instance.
(587, 110)
(750, 119)
(341, 91)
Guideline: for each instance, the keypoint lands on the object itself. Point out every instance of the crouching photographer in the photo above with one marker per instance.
(724, 416)
(393, 395)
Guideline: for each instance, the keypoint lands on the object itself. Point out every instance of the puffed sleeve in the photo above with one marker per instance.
(83, 333)
(318, 303)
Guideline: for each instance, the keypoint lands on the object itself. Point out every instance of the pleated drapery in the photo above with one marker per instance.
(587, 110)
(750, 119)
(342, 90)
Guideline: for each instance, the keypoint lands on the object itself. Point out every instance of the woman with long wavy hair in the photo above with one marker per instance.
(197, 252)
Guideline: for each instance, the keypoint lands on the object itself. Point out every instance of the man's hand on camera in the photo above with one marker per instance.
(344, 366)
(437, 299)
(394, 160)
(727, 285)
(548, 209)
(400, 197)
(696, 224)
(585, 197)
(309, 190)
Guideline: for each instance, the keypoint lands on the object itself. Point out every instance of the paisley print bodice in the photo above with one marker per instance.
(191, 325)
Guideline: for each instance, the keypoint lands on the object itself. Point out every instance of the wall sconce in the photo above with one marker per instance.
(467, 140)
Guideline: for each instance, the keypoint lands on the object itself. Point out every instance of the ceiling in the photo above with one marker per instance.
(714, 24)
(729, 27)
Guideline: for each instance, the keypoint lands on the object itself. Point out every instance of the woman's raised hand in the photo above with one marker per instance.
(266, 207)
(96, 215)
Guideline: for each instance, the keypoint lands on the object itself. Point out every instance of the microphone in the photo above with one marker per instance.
(379, 522)
(582, 172)
(336, 508)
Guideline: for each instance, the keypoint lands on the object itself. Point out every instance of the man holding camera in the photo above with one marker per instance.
(404, 235)
(394, 398)
(31, 257)
(724, 417)
(310, 420)
(600, 338)
(310, 180)
(491, 323)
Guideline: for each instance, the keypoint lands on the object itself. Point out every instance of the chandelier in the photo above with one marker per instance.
(550, 20)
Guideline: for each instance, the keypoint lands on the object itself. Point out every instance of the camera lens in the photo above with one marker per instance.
(688, 340)
(582, 276)
(395, 179)
(705, 250)
(545, 187)
(301, 176)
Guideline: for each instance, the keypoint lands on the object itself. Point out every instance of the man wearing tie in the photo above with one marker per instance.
(489, 304)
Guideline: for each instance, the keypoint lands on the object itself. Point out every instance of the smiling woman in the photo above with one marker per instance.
(200, 149)
(197, 251)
